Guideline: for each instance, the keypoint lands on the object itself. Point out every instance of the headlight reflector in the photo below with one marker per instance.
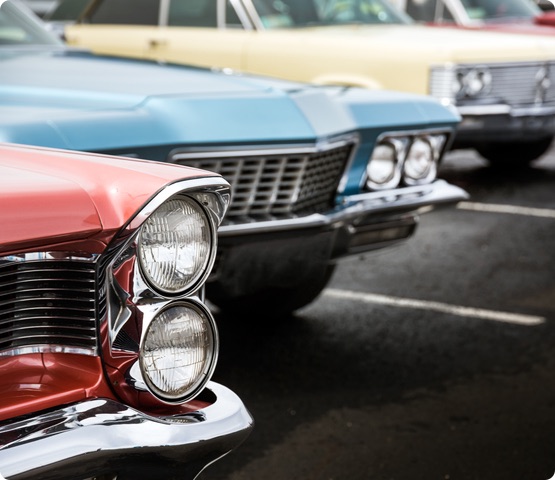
(383, 170)
(178, 353)
(175, 245)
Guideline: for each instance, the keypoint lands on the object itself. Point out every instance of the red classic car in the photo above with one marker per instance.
(509, 16)
(106, 345)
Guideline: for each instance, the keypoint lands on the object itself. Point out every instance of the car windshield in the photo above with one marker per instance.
(488, 10)
(308, 13)
(19, 26)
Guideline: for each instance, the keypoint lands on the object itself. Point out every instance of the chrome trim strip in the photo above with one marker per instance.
(164, 13)
(478, 110)
(354, 206)
(253, 14)
(54, 256)
(100, 436)
(204, 185)
(241, 14)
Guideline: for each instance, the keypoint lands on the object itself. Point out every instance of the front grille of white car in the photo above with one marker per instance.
(275, 183)
(516, 84)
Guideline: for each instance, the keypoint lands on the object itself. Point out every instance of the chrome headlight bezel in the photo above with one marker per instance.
(133, 304)
(154, 271)
(405, 141)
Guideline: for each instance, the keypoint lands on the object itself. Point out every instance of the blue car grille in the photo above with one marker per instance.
(47, 305)
(274, 184)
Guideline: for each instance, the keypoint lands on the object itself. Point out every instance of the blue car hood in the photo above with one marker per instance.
(73, 99)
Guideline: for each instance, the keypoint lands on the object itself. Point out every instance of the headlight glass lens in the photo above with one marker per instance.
(175, 245)
(382, 170)
(420, 160)
(178, 353)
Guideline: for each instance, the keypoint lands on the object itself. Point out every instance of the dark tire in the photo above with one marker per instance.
(514, 154)
(270, 301)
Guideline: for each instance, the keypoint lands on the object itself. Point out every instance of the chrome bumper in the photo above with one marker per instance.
(104, 437)
(483, 123)
(354, 207)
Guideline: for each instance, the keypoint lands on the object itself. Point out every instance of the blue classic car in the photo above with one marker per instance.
(316, 173)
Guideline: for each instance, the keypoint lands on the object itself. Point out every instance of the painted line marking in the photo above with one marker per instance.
(512, 209)
(515, 318)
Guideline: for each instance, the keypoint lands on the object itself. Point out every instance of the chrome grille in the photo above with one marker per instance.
(516, 84)
(274, 184)
(47, 305)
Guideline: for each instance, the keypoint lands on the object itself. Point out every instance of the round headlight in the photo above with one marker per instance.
(175, 245)
(473, 82)
(420, 164)
(382, 170)
(178, 352)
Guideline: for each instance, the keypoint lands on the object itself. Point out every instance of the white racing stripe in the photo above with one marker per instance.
(497, 316)
(512, 209)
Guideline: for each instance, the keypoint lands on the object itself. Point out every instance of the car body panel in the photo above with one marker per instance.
(78, 206)
(187, 105)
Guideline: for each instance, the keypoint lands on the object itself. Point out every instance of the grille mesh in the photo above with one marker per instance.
(274, 185)
(47, 303)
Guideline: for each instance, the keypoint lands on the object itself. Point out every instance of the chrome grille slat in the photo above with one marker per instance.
(47, 302)
(273, 184)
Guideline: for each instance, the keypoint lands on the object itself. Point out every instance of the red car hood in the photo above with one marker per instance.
(49, 197)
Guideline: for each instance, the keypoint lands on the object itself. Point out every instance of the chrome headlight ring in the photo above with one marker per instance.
(174, 246)
(405, 158)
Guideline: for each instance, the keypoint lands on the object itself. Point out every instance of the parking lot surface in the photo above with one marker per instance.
(432, 360)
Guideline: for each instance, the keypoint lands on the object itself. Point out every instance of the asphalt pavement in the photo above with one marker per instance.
(432, 360)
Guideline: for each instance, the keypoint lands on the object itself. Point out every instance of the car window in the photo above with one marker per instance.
(297, 13)
(67, 10)
(18, 28)
(193, 13)
(231, 18)
(429, 11)
(492, 9)
(127, 12)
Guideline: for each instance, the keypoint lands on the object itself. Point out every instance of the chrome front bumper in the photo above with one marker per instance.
(355, 207)
(104, 437)
(485, 123)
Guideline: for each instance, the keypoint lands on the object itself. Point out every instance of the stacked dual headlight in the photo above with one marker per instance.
(404, 160)
(163, 340)
(179, 345)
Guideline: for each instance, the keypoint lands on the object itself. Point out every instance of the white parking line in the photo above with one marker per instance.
(513, 209)
(497, 316)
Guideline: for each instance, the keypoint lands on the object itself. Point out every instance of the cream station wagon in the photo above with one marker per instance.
(499, 83)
